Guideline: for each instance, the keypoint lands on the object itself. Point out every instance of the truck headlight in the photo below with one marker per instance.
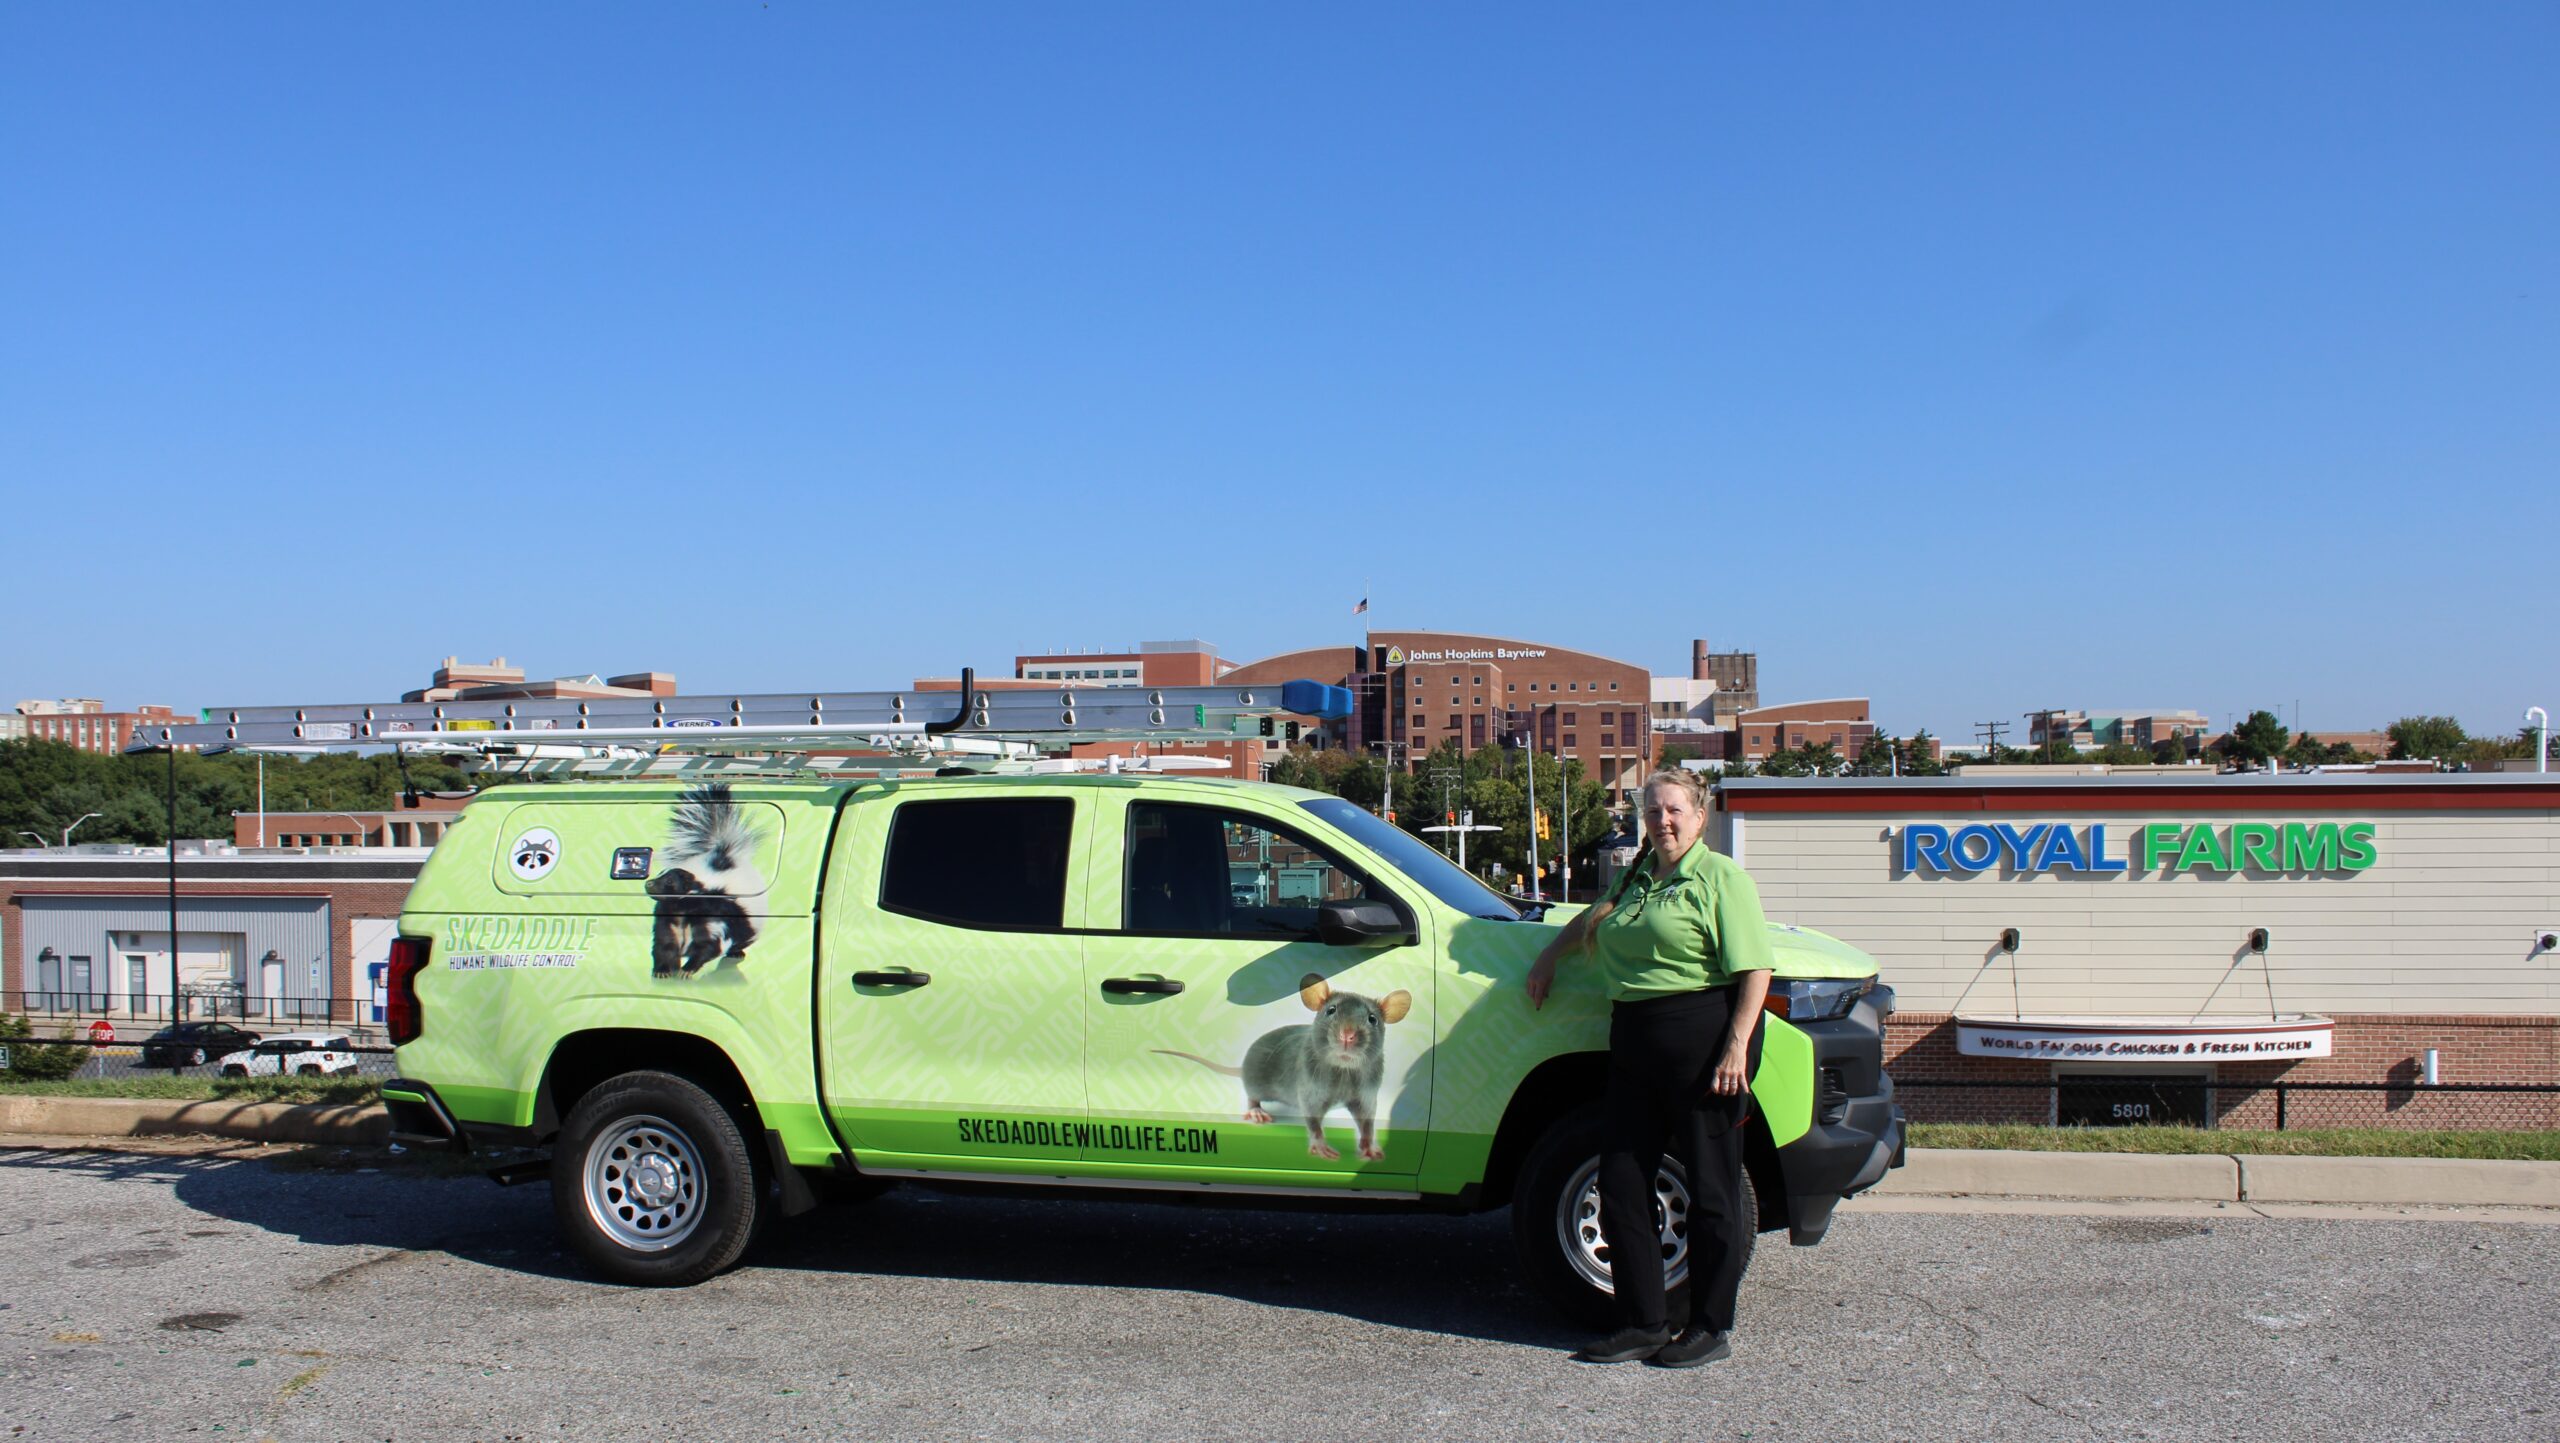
(1817, 999)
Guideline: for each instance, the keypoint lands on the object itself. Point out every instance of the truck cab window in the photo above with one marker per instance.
(1202, 870)
(986, 862)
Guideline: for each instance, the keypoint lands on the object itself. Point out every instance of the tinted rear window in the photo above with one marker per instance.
(980, 862)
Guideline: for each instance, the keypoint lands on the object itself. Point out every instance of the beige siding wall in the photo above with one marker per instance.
(2443, 922)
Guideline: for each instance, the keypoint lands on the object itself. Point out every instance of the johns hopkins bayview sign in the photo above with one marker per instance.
(2308, 847)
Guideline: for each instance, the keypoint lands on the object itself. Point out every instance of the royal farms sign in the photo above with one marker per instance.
(2272, 847)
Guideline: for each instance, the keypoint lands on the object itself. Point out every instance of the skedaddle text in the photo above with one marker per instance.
(519, 934)
(1106, 1136)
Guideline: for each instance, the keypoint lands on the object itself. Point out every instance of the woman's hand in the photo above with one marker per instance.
(1733, 1074)
(1541, 980)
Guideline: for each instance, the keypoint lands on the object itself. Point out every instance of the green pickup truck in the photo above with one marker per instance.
(708, 1001)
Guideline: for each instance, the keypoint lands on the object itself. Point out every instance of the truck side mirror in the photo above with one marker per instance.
(1359, 924)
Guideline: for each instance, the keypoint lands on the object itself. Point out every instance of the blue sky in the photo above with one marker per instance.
(1972, 358)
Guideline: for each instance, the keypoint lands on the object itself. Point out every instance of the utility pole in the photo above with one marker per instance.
(1990, 732)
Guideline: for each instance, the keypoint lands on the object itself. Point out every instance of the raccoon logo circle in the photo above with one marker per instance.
(534, 853)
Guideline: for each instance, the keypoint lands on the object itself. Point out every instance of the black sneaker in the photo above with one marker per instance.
(1624, 1346)
(1694, 1346)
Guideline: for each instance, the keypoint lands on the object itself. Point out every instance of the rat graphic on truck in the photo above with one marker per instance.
(704, 998)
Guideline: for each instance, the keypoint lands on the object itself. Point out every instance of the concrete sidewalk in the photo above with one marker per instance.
(1931, 1172)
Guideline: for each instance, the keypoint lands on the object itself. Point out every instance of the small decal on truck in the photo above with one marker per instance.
(533, 854)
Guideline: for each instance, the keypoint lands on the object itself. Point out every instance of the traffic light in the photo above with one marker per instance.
(1391, 814)
(1449, 817)
(1545, 832)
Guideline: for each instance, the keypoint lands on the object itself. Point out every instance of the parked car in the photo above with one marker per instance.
(192, 1044)
(305, 1054)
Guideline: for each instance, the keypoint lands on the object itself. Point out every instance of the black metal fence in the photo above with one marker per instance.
(61, 1011)
(2102, 1100)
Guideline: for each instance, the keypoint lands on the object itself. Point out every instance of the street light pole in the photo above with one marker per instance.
(75, 826)
(1535, 895)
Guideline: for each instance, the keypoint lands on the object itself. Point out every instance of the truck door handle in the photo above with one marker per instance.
(1164, 985)
(891, 979)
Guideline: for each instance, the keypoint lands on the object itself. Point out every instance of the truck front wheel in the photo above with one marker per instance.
(1555, 1222)
(652, 1182)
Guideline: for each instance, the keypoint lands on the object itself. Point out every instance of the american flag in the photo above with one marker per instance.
(1363, 606)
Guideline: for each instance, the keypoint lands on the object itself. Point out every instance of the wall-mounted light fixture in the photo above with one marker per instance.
(2008, 939)
(2257, 939)
(2549, 942)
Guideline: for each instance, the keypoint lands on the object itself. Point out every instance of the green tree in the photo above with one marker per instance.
(1877, 758)
(1919, 756)
(2122, 754)
(2055, 750)
(39, 1061)
(2253, 741)
(2438, 737)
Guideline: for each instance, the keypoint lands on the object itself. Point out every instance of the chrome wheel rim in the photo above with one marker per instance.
(1578, 1227)
(644, 1184)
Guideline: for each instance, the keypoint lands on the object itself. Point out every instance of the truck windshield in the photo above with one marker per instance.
(1410, 855)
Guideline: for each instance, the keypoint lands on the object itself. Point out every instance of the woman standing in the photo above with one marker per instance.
(1685, 949)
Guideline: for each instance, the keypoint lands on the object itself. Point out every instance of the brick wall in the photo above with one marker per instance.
(2370, 1048)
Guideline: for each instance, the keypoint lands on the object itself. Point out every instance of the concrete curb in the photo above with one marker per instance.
(2216, 1177)
(2449, 1181)
(2192, 1177)
(1931, 1172)
(345, 1123)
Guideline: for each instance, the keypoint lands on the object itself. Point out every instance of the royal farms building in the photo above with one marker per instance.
(2236, 930)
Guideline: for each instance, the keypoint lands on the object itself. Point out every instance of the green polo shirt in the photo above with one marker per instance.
(1699, 927)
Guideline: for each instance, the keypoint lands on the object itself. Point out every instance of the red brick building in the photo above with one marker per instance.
(1418, 689)
(85, 723)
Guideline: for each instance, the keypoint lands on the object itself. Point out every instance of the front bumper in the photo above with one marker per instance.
(1857, 1132)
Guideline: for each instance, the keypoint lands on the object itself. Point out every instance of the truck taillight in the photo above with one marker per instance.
(401, 1012)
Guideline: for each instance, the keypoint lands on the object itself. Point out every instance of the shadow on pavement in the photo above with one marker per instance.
(1452, 1275)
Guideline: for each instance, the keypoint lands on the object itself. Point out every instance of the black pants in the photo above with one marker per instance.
(1662, 1064)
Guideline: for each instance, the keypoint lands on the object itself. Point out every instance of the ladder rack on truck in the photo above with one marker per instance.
(871, 733)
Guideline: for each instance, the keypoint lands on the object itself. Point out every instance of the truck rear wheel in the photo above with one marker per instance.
(1555, 1222)
(652, 1181)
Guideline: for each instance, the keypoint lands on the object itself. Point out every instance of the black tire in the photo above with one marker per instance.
(1545, 1222)
(235, 1070)
(308, 1069)
(653, 1183)
(195, 1058)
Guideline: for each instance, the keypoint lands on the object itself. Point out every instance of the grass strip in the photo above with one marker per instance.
(2308, 1142)
(208, 1089)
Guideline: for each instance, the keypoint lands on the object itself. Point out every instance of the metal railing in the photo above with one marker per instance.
(118, 1010)
(2109, 1101)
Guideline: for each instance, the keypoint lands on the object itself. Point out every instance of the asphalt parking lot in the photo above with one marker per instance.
(325, 1295)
